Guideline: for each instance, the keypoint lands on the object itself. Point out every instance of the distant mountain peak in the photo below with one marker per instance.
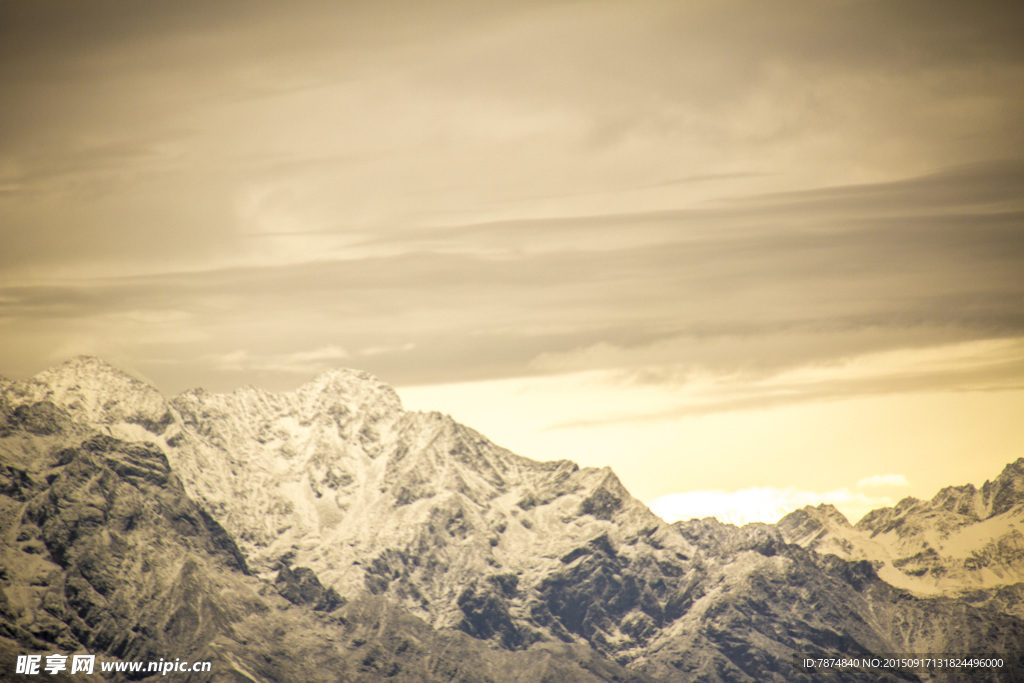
(1005, 491)
(355, 385)
(84, 363)
(833, 514)
(94, 392)
(963, 537)
(89, 373)
(89, 360)
(1013, 471)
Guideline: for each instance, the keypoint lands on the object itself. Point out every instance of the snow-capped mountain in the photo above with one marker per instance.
(965, 539)
(326, 532)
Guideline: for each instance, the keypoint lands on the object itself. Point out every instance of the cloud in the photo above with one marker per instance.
(577, 109)
(301, 363)
(724, 378)
(387, 349)
(512, 187)
(762, 504)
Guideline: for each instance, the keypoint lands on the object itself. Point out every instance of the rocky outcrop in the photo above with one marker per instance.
(302, 587)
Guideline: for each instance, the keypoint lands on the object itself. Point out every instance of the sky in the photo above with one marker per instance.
(750, 255)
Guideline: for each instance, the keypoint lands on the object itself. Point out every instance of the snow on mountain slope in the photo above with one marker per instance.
(337, 477)
(94, 392)
(103, 552)
(963, 539)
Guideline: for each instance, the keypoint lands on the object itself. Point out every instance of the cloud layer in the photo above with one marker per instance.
(757, 285)
(711, 207)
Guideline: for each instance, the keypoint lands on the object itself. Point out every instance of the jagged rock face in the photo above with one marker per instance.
(755, 601)
(326, 533)
(337, 477)
(108, 554)
(104, 552)
(964, 539)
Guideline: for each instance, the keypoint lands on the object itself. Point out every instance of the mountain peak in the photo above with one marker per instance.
(87, 369)
(830, 512)
(85, 363)
(355, 386)
(811, 523)
(1005, 491)
(96, 392)
(86, 359)
(1013, 471)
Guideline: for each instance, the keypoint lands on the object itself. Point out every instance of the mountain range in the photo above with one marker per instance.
(327, 534)
(965, 542)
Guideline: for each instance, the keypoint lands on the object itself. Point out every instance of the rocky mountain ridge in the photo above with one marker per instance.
(964, 540)
(327, 532)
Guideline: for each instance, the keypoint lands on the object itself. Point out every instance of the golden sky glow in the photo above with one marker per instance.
(768, 252)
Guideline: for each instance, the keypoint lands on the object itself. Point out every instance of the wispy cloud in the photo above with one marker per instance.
(725, 379)
(301, 362)
(387, 349)
(751, 288)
